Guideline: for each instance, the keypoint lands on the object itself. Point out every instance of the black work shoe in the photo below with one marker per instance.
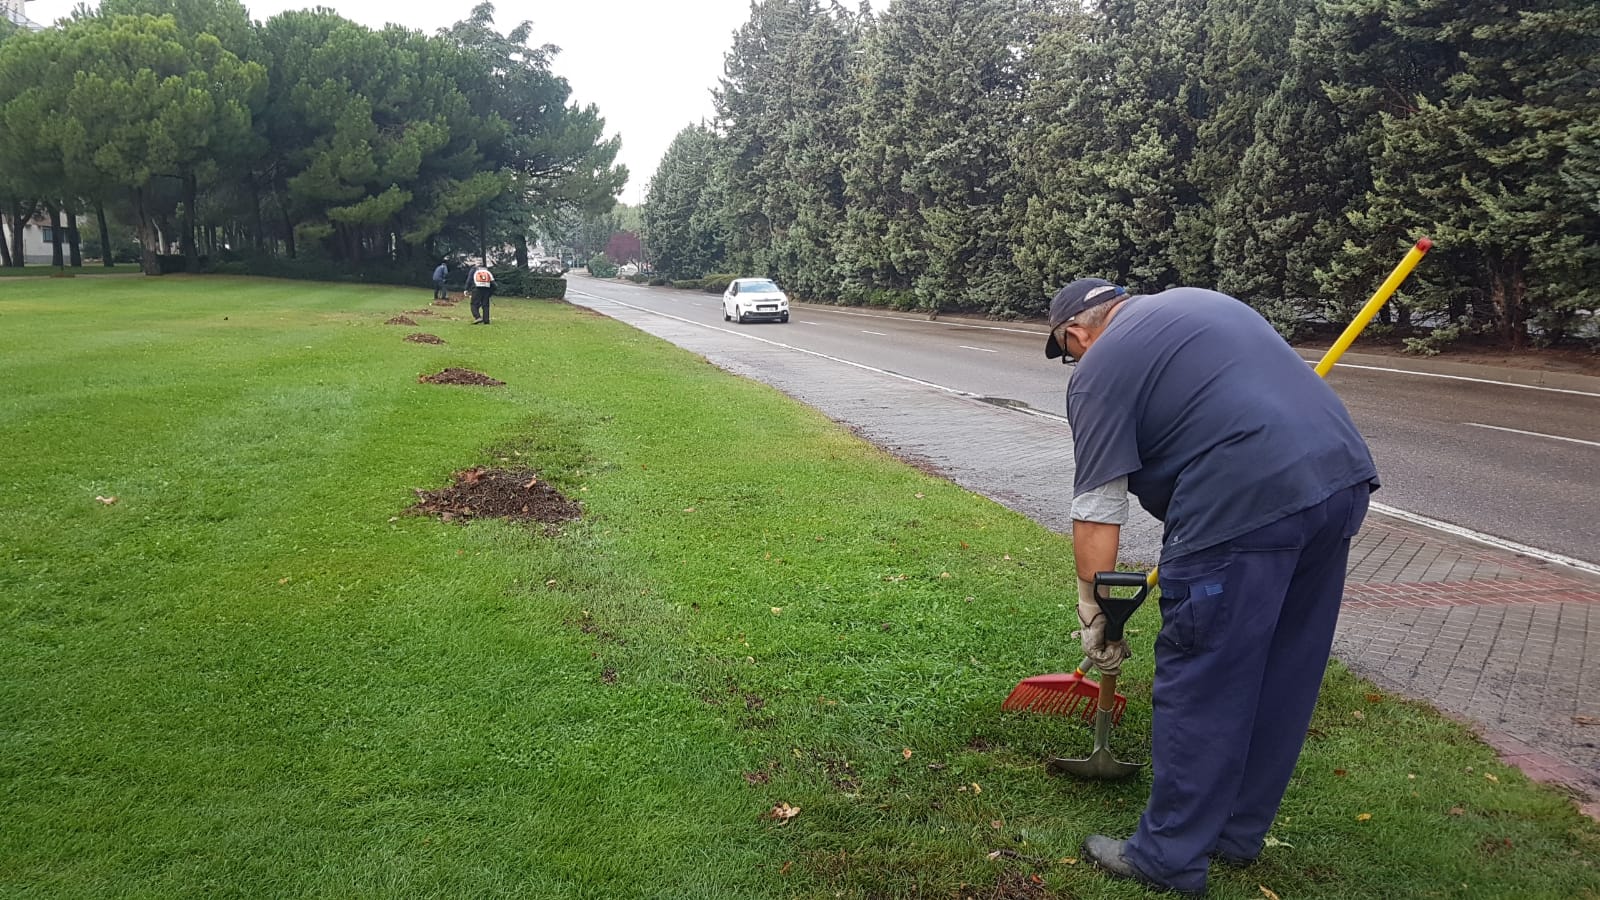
(1233, 862)
(1106, 854)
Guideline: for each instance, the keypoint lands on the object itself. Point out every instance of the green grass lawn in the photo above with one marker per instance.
(252, 675)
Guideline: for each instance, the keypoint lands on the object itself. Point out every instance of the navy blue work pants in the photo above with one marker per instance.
(1246, 630)
(480, 304)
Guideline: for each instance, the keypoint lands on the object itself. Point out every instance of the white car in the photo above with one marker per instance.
(627, 269)
(754, 299)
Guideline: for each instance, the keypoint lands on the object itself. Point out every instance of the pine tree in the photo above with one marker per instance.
(1117, 104)
(682, 209)
(780, 117)
(930, 176)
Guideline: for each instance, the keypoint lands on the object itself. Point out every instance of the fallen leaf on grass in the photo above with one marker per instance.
(906, 753)
(782, 813)
(976, 789)
(1374, 698)
(1274, 842)
(996, 824)
(1363, 817)
(1490, 776)
(1070, 860)
(1457, 811)
(106, 500)
(1340, 772)
(786, 867)
(688, 509)
(777, 610)
(1358, 715)
(1267, 892)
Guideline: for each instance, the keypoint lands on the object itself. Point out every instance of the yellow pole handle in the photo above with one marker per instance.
(1378, 299)
(1384, 292)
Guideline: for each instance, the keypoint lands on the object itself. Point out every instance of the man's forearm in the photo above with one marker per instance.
(1094, 547)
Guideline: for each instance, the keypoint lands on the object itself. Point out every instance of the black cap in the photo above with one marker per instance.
(1073, 299)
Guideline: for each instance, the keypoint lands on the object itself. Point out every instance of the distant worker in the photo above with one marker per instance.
(439, 292)
(482, 290)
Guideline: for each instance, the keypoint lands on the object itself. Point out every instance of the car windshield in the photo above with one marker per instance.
(757, 287)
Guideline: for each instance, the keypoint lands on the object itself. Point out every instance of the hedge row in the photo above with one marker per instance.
(509, 282)
(519, 283)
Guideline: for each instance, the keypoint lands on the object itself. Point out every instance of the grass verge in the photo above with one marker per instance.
(252, 675)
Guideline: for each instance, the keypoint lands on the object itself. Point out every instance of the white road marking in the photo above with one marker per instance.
(852, 363)
(1489, 539)
(1384, 508)
(945, 322)
(979, 349)
(1531, 387)
(1553, 437)
(878, 333)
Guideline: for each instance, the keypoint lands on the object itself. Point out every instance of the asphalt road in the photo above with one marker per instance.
(1513, 462)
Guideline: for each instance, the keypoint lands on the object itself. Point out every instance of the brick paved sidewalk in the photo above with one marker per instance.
(1507, 644)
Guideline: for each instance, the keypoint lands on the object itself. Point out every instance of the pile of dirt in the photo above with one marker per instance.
(401, 320)
(419, 312)
(444, 303)
(459, 376)
(424, 338)
(479, 493)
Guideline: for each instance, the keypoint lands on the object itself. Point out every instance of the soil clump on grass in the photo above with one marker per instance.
(424, 338)
(419, 312)
(453, 375)
(401, 320)
(444, 303)
(479, 493)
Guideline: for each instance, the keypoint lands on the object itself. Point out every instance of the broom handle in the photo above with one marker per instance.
(1329, 359)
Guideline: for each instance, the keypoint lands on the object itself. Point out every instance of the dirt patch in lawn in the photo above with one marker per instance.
(459, 376)
(444, 303)
(479, 493)
(424, 338)
(401, 320)
(419, 312)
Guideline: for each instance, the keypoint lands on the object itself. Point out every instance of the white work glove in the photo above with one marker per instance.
(1103, 655)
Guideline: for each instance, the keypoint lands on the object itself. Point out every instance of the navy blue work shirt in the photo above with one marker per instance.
(1219, 425)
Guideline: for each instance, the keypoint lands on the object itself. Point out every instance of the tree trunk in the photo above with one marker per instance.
(1508, 291)
(149, 236)
(5, 243)
(106, 250)
(522, 252)
(56, 259)
(20, 213)
(74, 239)
(189, 223)
(256, 222)
(483, 238)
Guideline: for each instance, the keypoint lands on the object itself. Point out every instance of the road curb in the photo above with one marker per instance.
(1568, 381)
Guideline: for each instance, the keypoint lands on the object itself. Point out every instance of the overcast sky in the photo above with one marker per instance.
(649, 65)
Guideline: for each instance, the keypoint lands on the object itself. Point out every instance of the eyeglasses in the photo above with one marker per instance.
(1061, 341)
